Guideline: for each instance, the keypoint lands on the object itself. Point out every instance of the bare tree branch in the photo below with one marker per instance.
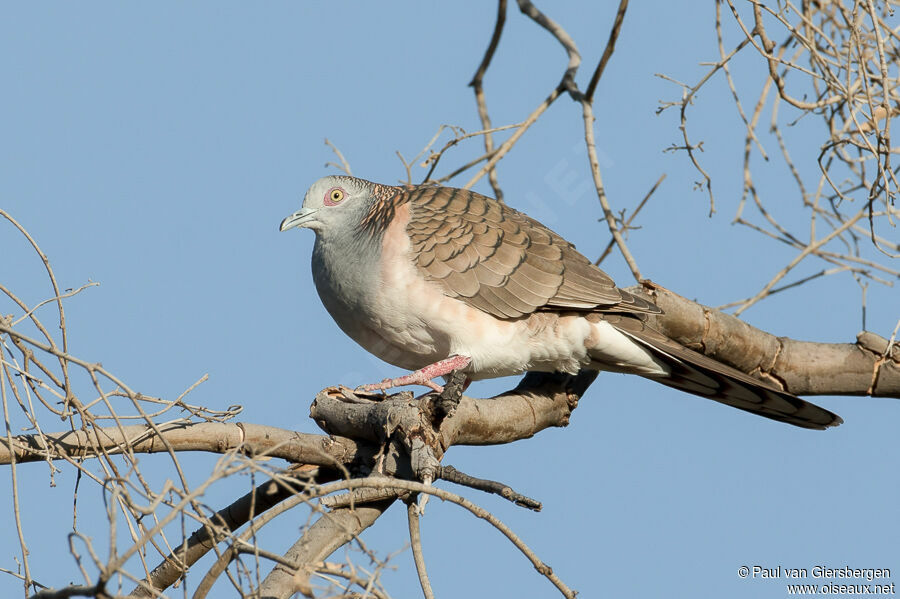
(476, 85)
(415, 541)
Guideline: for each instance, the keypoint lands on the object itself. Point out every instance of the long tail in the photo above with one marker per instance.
(701, 375)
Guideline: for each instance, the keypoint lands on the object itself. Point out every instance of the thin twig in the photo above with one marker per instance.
(415, 541)
(451, 474)
(344, 165)
(607, 52)
(626, 225)
(480, 101)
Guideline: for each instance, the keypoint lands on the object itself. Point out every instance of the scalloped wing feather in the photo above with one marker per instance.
(500, 260)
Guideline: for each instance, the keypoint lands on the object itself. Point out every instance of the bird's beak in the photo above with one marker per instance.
(301, 218)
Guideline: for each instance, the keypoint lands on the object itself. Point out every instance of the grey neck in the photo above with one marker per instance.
(345, 270)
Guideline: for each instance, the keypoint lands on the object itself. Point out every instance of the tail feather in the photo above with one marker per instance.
(701, 375)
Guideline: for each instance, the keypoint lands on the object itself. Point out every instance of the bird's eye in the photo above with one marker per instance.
(334, 196)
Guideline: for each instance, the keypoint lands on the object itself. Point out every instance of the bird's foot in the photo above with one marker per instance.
(422, 376)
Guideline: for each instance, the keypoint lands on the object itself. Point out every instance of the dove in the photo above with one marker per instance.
(437, 279)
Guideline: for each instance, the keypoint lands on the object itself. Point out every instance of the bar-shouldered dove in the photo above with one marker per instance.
(438, 279)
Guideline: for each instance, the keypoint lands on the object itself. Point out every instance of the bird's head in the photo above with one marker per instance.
(333, 204)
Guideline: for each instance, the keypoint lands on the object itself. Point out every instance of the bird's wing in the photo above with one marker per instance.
(701, 375)
(501, 261)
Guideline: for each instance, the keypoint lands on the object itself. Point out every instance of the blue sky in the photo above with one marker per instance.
(155, 149)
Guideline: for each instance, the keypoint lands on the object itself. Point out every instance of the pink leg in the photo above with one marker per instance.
(423, 376)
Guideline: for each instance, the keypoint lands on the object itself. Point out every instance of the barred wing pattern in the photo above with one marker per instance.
(501, 261)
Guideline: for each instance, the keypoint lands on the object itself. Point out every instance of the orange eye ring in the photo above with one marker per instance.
(334, 196)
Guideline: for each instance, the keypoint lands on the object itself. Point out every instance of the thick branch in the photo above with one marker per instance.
(538, 402)
(330, 531)
(214, 437)
(801, 367)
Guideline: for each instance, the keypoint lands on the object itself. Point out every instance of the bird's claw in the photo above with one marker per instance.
(399, 382)
(422, 376)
